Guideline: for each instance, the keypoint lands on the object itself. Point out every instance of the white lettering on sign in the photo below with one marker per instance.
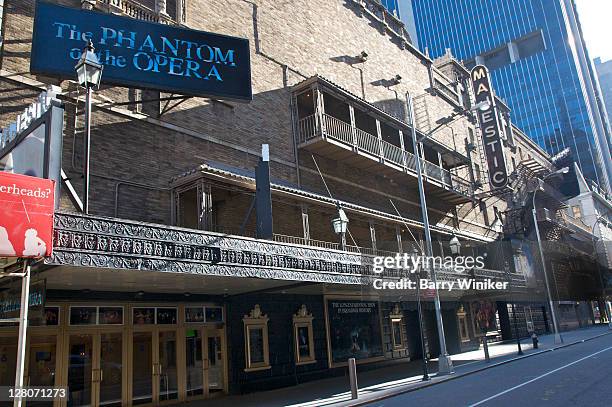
(30, 113)
(490, 127)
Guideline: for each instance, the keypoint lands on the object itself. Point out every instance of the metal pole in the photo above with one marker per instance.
(553, 314)
(86, 147)
(352, 367)
(23, 326)
(518, 340)
(603, 288)
(421, 329)
(445, 364)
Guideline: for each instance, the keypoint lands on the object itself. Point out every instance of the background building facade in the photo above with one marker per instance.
(604, 73)
(164, 289)
(540, 67)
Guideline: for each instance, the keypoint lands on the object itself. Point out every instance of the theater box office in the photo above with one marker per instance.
(111, 353)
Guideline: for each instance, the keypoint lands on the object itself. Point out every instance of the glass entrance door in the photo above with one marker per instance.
(110, 378)
(95, 369)
(8, 360)
(194, 346)
(41, 365)
(142, 368)
(80, 366)
(205, 362)
(154, 367)
(167, 367)
(214, 362)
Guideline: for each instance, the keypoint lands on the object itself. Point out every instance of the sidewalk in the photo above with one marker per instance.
(399, 377)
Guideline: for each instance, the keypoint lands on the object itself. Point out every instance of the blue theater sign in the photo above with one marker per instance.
(141, 54)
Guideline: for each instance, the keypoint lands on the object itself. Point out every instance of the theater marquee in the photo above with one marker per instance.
(490, 127)
(140, 53)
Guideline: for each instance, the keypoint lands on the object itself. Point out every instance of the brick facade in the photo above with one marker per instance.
(134, 156)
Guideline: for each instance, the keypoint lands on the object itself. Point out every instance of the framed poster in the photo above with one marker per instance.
(354, 328)
(143, 316)
(51, 316)
(166, 316)
(214, 314)
(303, 336)
(256, 344)
(257, 355)
(303, 342)
(194, 314)
(83, 315)
(483, 314)
(110, 315)
(396, 333)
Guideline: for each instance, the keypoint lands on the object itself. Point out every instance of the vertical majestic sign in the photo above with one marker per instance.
(140, 53)
(490, 127)
(26, 215)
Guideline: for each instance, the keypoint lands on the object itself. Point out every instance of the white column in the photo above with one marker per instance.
(160, 7)
(88, 4)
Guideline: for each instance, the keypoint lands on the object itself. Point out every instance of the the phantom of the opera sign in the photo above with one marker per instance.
(141, 54)
(490, 128)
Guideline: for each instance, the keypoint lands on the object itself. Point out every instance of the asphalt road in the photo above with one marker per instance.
(578, 375)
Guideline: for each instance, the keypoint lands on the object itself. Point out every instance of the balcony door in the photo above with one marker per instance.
(205, 360)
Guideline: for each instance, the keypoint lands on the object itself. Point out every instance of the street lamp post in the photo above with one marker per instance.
(445, 364)
(455, 245)
(421, 327)
(603, 289)
(340, 225)
(516, 333)
(564, 170)
(89, 74)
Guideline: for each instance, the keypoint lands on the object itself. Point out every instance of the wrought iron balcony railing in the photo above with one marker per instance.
(137, 10)
(310, 128)
(101, 242)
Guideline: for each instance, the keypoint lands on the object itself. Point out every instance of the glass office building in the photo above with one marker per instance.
(539, 64)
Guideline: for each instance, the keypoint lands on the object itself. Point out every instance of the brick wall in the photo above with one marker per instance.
(135, 156)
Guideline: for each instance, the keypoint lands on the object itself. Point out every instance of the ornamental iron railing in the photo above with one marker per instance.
(326, 126)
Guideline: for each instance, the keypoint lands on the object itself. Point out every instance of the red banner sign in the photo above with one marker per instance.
(26, 216)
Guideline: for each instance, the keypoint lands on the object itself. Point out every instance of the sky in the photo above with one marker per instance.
(596, 20)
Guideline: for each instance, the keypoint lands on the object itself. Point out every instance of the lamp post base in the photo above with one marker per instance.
(558, 338)
(445, 365)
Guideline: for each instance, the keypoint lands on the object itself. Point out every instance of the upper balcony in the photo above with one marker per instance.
(159, 11)
(334, 123)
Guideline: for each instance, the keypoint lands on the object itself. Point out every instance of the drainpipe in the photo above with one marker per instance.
(293, 108)
(431, 78)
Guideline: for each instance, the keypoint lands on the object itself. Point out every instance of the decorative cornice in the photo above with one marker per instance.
(87, 241)
(302, 315)
(256, 314)
(396, 312)
(100, 242)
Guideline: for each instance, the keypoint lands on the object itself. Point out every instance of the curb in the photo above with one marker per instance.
(448, 378)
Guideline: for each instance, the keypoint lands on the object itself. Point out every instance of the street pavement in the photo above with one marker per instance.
(484, 379)
(577, 375)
